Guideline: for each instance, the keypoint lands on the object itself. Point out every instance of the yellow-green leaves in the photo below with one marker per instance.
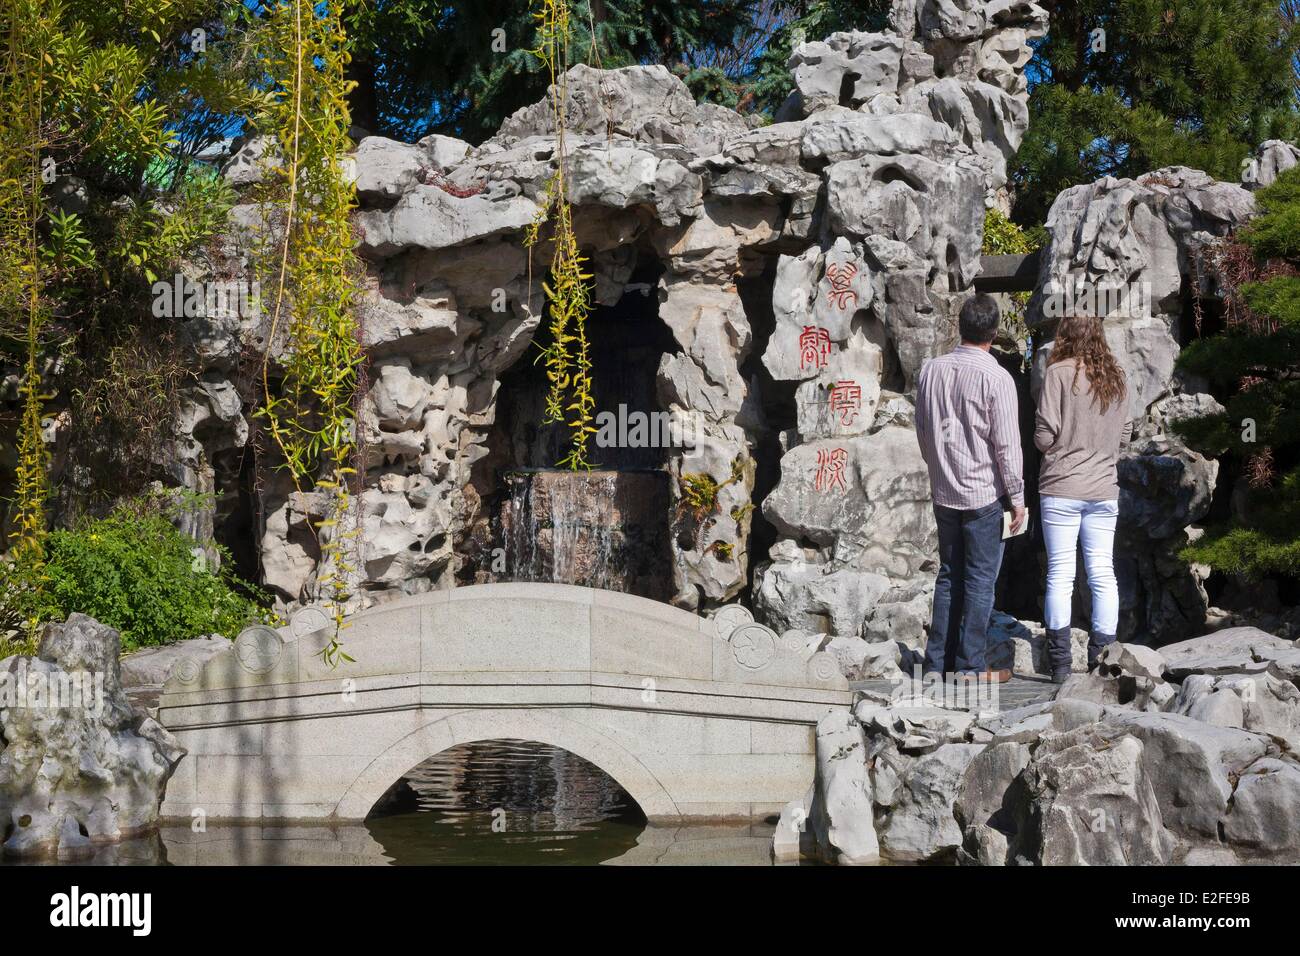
(569, 399)
(23, 137)
(310, 274)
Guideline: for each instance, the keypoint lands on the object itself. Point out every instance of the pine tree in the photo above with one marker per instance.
(1255, 363)
(1120, 87)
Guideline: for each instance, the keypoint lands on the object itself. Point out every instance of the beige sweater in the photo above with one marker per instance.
(1080, 445)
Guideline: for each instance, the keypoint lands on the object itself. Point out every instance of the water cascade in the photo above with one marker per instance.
(600, 529)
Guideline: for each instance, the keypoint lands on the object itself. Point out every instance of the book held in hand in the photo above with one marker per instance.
(1007, 515)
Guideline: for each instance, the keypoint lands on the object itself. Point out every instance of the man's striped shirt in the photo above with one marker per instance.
(967, 423)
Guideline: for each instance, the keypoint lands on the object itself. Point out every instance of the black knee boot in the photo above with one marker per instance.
(1097, 642)
(1060, 657)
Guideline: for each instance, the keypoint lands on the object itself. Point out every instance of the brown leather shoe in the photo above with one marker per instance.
(990, 675)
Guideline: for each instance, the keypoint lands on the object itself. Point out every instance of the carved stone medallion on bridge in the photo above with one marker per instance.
(823, 667)
(258, 649)
(186, 670)
(309, 620)
(753, 645)
(729, 618)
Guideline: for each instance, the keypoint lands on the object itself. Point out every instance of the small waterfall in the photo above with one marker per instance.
(520, 531)
(600, 529)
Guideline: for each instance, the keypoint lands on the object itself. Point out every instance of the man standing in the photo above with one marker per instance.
(967, 423)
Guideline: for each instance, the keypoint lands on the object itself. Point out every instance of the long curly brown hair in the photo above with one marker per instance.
(1080, 337)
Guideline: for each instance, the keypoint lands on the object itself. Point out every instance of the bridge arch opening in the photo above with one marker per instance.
(376, 790)
(511, 801)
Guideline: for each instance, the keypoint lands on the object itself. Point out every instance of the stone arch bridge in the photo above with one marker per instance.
(695, 718)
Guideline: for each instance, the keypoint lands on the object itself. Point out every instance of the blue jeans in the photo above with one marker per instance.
(970, 556)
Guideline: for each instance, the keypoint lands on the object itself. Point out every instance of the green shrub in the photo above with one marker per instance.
(1253, 367)
(134, 571)
(24, 605)
(1002, 237)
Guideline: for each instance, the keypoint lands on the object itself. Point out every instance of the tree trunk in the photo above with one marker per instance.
(363, 101)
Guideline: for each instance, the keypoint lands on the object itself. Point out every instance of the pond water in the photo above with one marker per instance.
(503, 802)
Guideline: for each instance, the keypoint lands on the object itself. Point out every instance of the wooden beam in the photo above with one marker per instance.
(1014, 273)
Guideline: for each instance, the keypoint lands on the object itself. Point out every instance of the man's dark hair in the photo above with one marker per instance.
(978, 322)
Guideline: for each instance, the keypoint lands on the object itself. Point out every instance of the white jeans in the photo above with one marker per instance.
(1066, 521)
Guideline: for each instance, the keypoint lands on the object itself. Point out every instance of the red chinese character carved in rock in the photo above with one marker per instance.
(830, 469)
(840, 295)
(814, 347)
(846, 400)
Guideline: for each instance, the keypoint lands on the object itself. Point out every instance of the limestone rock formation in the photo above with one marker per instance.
(1088, 799)
(78, 767)
(778, 286)
(919, 824)
(846, 234)
(1272, 157)
(841, 809)
(1121, 248)
(1183, 755)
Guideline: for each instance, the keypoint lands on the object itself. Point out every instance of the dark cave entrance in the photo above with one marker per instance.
(607, 528)
(626, 342)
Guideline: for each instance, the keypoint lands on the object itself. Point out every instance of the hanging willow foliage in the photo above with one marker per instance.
(311, 275)
(567, 358)
(23, 310)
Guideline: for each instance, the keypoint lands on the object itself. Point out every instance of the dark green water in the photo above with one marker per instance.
(505, 802)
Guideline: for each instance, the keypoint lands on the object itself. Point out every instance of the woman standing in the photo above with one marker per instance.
(1082, 421)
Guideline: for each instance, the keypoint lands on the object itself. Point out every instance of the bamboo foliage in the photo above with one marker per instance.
(567, 357)
(22, 306)
(308, 261)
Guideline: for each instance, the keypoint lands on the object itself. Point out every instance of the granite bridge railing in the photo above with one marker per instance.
(695, 718)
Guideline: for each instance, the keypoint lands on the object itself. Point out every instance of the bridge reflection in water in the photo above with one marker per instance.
(506, 801)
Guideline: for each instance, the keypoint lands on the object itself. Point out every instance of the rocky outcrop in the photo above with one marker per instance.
(841, 809)
(910, 131)
(1087, 798)
(78, 767)
(1122, 248)
(864, 201)
(1183, 755)
(1272, 157)
(918, 823)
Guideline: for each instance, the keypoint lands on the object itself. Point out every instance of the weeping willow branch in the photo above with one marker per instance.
(312, 276)
(567, 359)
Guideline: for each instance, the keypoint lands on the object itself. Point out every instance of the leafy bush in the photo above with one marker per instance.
(1253, 366)
(133, 570)
(23, 607)
(1002, 237)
